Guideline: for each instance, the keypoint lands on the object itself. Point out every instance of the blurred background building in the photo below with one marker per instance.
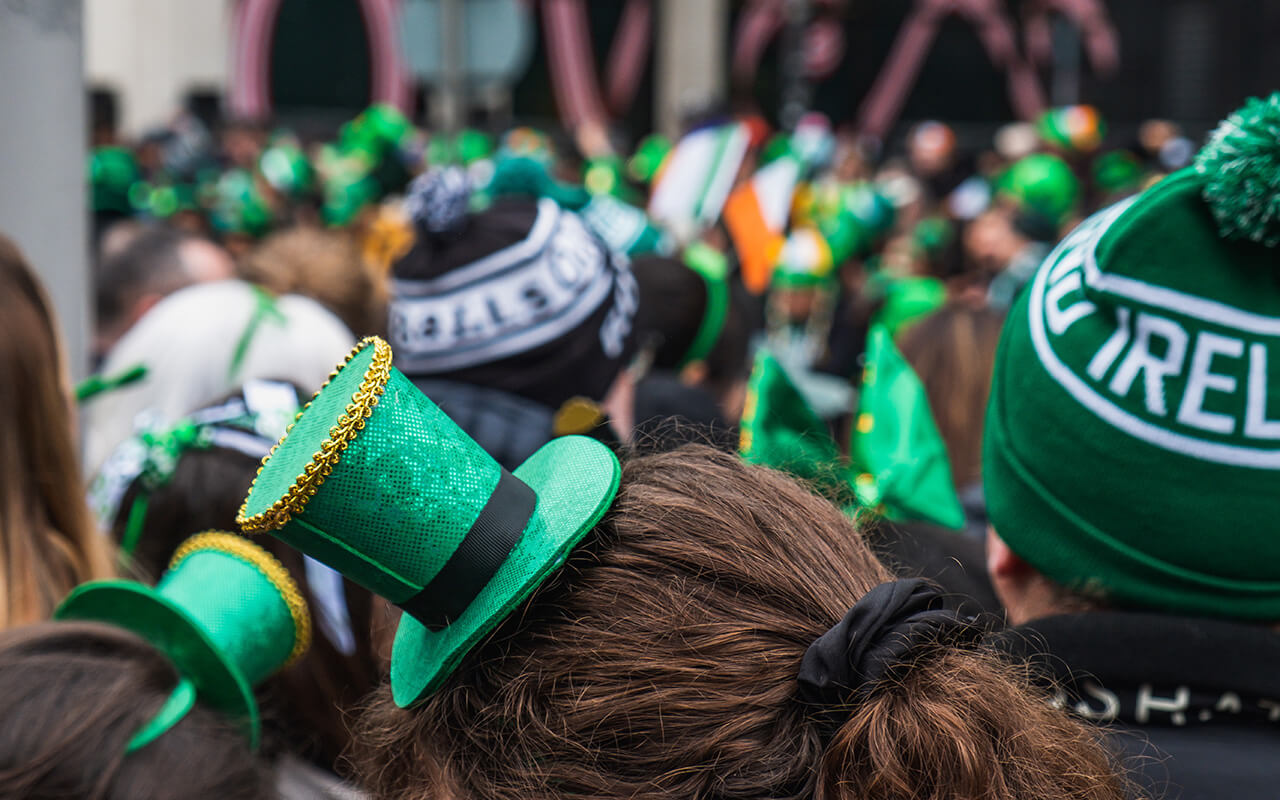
(639, 63)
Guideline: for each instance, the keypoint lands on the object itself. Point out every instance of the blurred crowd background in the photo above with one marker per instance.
(789, 229)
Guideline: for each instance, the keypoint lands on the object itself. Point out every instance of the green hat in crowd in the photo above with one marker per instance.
(239, 207)
(805, 261)
(1073, 129)
(648, 158)
(1118, 172)
(466, 148)
(1041, 184)
(623, 227)
(870, 207)
(529, 176)
(227, 614)
(113, 171)
(375, 481)
(285, 167)
(906, 299)
(1132, 441)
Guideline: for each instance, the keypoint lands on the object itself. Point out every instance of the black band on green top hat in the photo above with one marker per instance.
(227, 614)
(377, 482)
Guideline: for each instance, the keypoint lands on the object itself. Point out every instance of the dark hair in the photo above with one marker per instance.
(73, 694)
(308, 701)
(673, 301)
(662, 660)
(152, 262)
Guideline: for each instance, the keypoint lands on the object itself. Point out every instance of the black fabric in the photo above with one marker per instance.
(883, 628)
(510, 428)
(502, 225)
(574, 365)
(669, 413)
(1193, 704)
(956, 561)
(479, 555)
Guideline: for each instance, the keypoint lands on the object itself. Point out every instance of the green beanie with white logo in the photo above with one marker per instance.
(1132, 445)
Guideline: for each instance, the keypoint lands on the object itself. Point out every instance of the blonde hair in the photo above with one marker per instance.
(48, 542)
(326, 266)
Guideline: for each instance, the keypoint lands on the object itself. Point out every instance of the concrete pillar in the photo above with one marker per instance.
(692, 61)
(43, 198)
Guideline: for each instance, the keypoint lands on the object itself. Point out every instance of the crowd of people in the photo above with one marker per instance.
(749, 464)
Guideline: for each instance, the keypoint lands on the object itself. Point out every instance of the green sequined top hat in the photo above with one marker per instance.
(375, 481)
(227, 614)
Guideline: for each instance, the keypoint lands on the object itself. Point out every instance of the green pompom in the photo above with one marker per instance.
(1241, 167)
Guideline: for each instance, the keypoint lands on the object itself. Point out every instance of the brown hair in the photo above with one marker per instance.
(73, 694)
(326, 266)
(661, 661)
(48, 542)
(953, 351)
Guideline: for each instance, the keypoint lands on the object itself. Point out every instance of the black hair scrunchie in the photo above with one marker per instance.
(877, 634)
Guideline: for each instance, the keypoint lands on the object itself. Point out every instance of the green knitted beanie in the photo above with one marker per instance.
(1132, 445)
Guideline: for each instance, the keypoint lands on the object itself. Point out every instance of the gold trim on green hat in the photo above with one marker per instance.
(271, 569)
(350, 423)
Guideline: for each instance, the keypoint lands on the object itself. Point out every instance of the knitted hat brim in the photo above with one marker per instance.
(575, 479)
(142, 610)
(1047, 532)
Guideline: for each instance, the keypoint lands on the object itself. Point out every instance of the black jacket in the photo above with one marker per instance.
(1194, 704)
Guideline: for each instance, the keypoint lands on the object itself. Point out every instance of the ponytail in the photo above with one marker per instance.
(961, 722)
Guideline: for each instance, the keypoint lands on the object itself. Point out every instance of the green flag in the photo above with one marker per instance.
(900, 462)
(780, 430)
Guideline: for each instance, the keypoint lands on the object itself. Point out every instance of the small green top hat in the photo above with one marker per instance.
(227, 614)
(375, 481)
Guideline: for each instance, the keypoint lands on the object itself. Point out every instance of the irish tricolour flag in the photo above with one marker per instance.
(696, 179)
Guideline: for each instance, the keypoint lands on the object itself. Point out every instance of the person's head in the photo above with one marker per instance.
(73, 695)
(991, 241)
(201, 343)
(658, 628)
(952, 351)
(662, 659)
(694, 325)
(325, 265)
(1130, 444)
(48, 542)
(931, 148)
(521, 297)
(157, 262)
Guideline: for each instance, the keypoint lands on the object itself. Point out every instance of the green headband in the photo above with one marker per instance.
(163, 451)
(95, 385)
(179, 704)
(264, 308)
(713, 267)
